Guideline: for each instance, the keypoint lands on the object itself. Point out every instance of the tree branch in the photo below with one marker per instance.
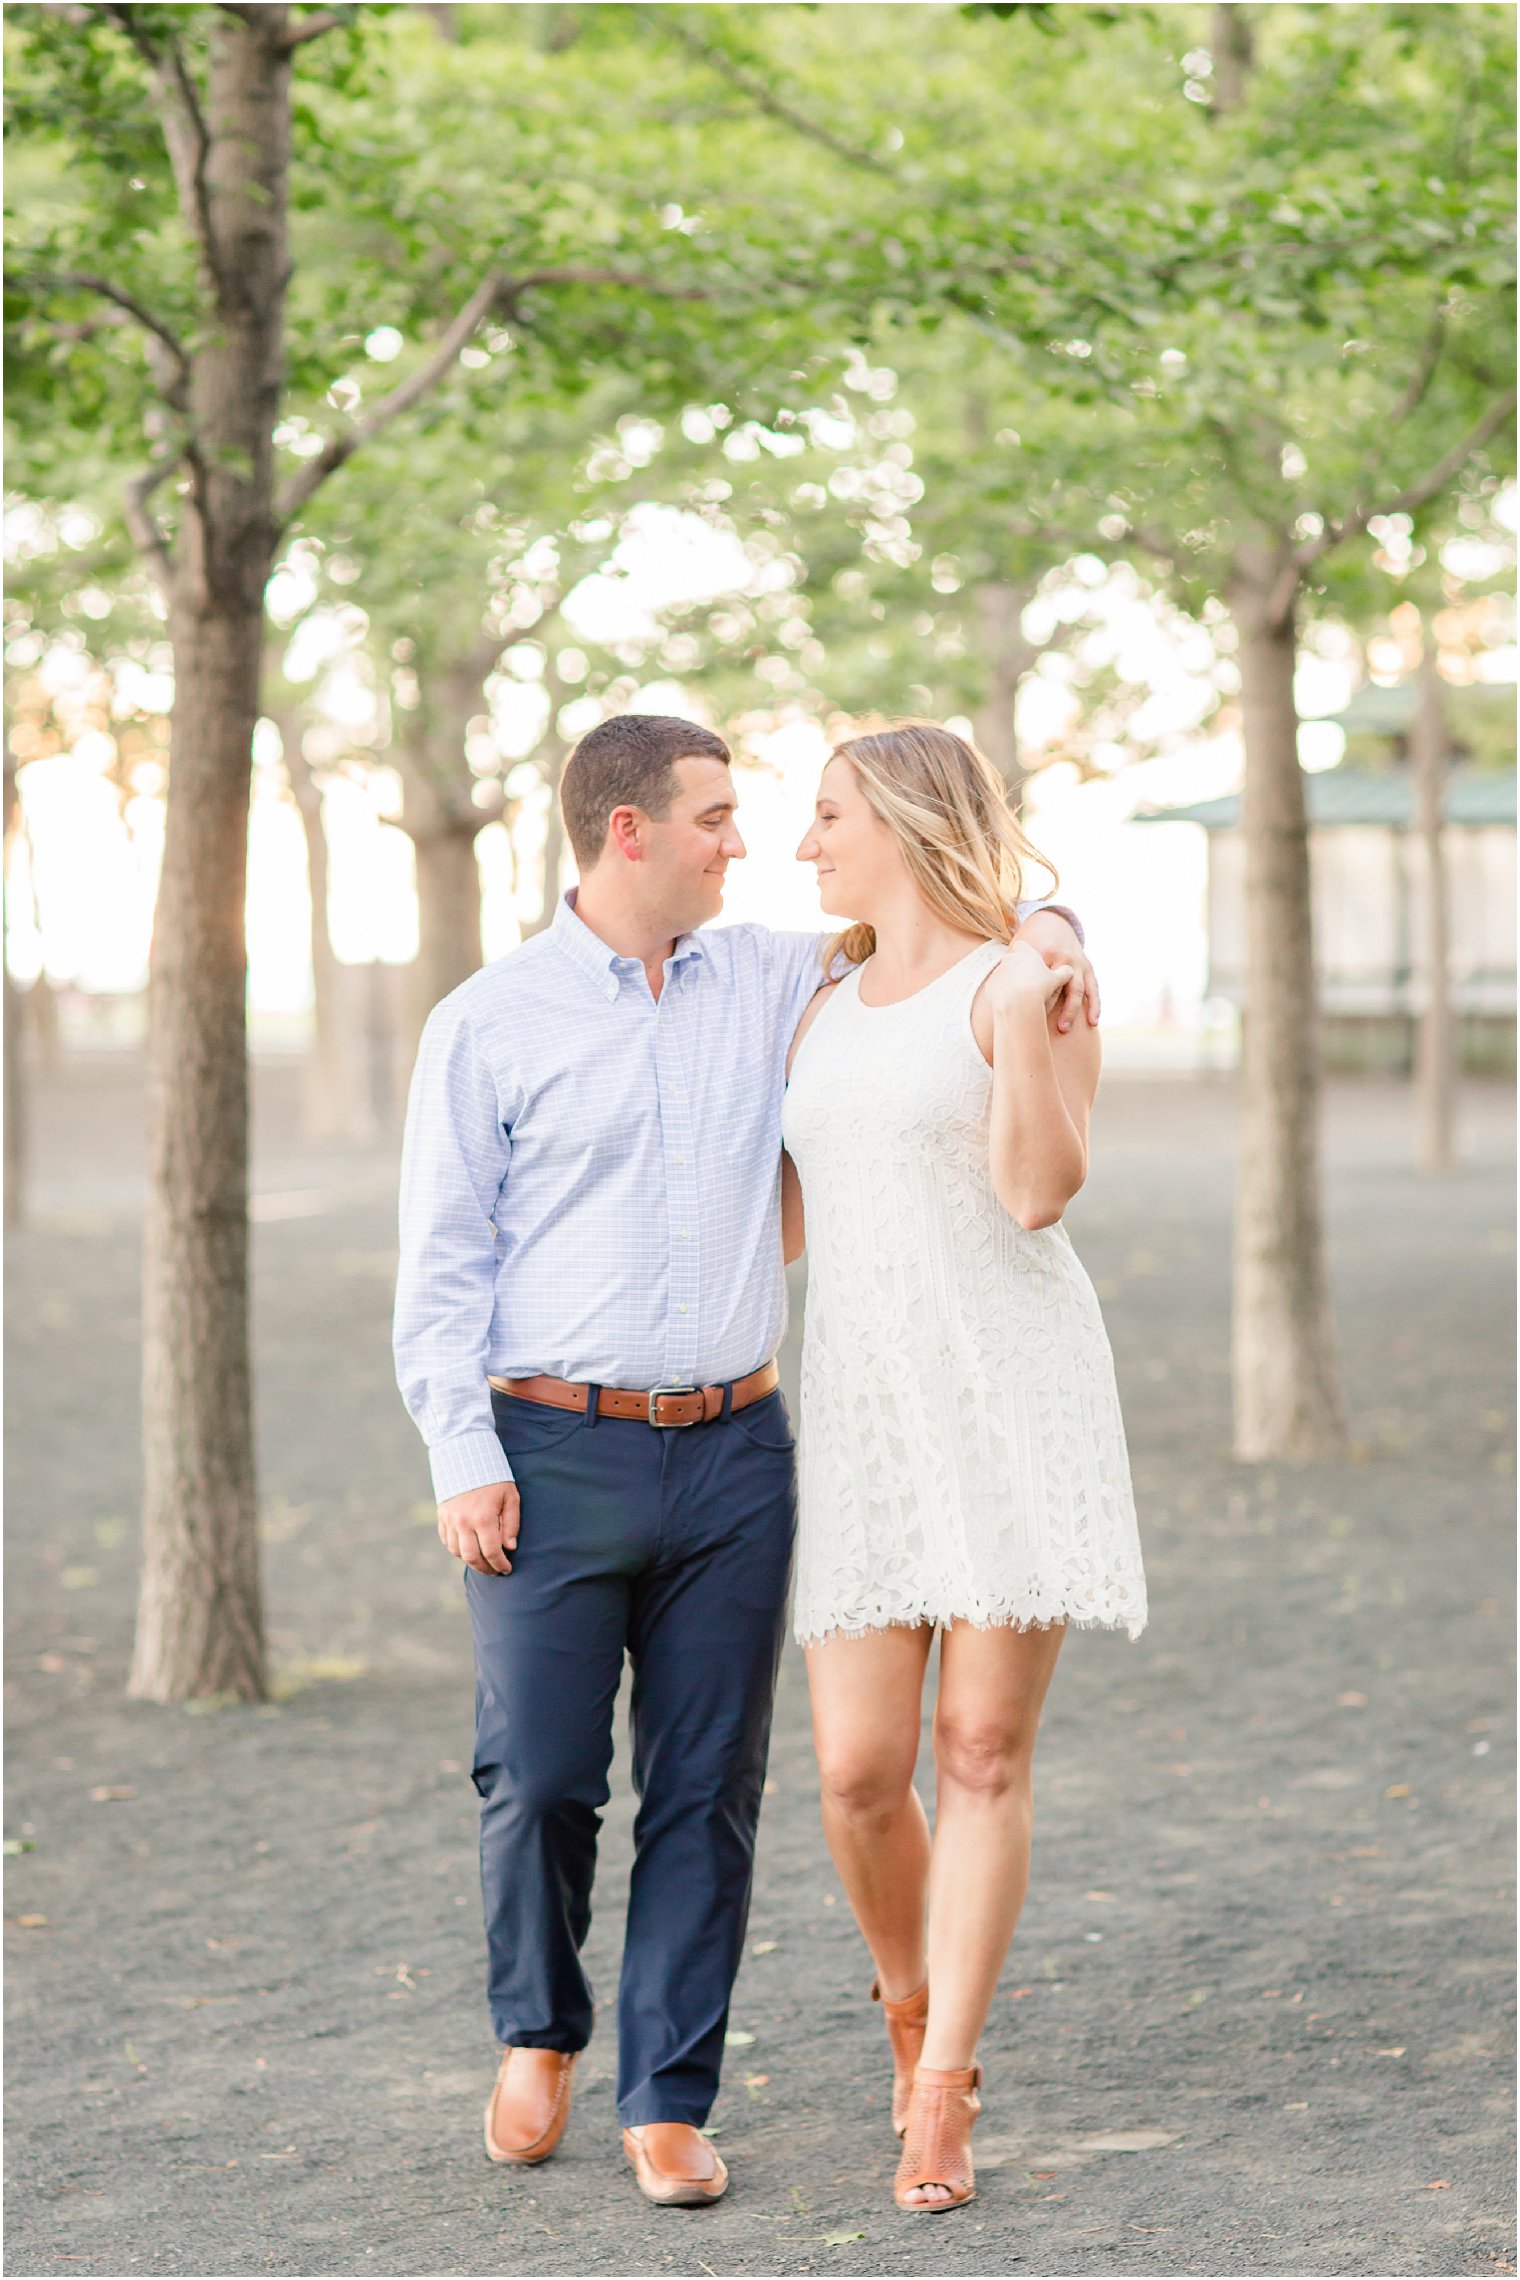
(1406, 502)
(82, 281)
(143, 531)
(764, 97)
(493, 292)
(1425, 369)
(301, 487)
(185, 135)
(513, 288)
(313, 28)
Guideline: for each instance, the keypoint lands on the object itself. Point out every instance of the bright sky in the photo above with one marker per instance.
(84, 878)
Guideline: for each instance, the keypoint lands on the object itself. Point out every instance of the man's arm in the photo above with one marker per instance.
(454, 1158)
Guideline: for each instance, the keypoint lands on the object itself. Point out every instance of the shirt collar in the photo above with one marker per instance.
(596, 959)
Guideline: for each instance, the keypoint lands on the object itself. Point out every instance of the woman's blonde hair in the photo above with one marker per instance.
(960, 838)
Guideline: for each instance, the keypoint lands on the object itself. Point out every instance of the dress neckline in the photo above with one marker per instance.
(913, 996)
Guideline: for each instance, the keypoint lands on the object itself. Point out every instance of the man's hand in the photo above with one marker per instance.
(1056, 941)
(480, 1527)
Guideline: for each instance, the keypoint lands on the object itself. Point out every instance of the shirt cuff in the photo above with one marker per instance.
(1062, 911)
(466, 1461)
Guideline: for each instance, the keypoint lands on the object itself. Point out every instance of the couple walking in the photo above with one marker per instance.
(591, 1295)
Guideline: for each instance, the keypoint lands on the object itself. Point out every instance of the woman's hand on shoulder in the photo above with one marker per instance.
(1021, 979)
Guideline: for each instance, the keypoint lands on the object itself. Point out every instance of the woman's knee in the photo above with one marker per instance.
(864, 1784)
(984, 1757)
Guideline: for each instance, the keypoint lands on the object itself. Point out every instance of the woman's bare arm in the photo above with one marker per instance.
(793, 1224)
(1044, 1080)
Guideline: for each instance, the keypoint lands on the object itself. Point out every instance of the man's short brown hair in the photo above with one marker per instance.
(628, 761)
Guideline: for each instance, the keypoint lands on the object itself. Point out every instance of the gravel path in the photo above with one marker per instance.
(1256, 2017)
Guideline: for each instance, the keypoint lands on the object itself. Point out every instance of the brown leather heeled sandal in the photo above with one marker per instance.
(937, 2148)
(906, 2020)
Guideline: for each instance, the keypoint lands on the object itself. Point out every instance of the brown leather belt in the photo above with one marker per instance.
(662, 1405)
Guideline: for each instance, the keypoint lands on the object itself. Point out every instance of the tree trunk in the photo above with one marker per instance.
(440, 816)
(1436, 1063)
(448, 917)
(16, 1103)
(1288, 1401)
(199, 1625)
(338, 1105)
(1232, 46)
(200, 1620)
(554, 843)
(1008, 656)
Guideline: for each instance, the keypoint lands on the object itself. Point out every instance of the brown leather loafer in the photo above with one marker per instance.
(675, 2164)
(530, 2105)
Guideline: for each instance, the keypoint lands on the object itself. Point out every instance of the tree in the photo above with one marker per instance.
(16, 1105)
(1304, 333)
(1451, 568)
(253, 240)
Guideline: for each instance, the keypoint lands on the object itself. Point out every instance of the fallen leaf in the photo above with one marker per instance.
(1019, 1993)
(1098, 1896)
(106, 1795)
(738, 2039)
(79, 1578)
(1296, 2106)
(19, 1845)
(1397, 2051)
(840, 2239)
(763, 1947)
(54, 1665)
(1352, 1701)
(31, 1923)
(1399, 1789)
(1438, 2185)
(756, 2081)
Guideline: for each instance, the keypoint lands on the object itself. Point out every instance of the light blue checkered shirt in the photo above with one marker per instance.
(590, 1180)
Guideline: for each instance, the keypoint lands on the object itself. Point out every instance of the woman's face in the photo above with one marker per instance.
(856, 855)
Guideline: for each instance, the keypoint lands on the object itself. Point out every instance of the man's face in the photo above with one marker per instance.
(688, 850)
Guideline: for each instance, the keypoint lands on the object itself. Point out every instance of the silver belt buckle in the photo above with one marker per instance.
(654, 1396)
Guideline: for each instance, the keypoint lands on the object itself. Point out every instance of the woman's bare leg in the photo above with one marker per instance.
(867, 1697)
(992, 1686)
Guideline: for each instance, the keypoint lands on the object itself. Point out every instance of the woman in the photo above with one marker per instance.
(963, 1466)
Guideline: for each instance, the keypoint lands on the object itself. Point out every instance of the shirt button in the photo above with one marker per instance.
(681, 1309)
(680, 1159)
(685, 1234)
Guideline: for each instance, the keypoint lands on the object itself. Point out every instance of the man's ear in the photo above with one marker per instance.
(624, 833)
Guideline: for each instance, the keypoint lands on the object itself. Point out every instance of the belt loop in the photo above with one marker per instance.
(727, 1410)
(593, 1399)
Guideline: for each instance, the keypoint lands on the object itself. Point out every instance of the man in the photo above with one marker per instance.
(589, 1305)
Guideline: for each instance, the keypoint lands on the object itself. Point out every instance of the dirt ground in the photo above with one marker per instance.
(1256, 2019)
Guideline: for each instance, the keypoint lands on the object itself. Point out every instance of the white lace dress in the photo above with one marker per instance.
(961, 1448)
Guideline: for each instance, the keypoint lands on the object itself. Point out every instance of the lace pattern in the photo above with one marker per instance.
(962, 1452)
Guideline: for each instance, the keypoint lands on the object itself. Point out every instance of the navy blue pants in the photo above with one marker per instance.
(674, 1548)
